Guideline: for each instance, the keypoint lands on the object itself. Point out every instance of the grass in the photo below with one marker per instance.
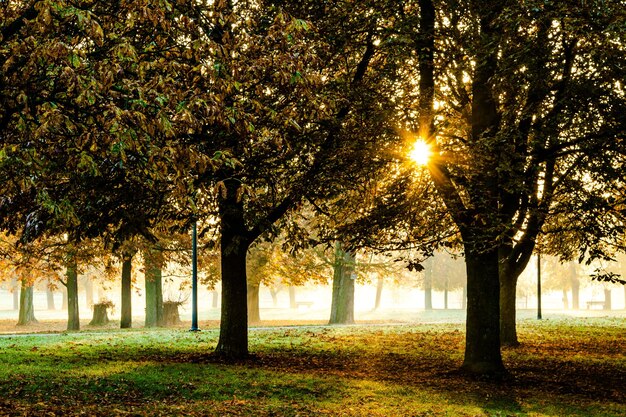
(565, 367)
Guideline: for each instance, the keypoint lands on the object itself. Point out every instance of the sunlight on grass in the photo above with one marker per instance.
(563, 368)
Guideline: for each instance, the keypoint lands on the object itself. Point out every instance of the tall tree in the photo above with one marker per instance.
(344, 278)
(153, 265)
(27, 309)
(126, 308)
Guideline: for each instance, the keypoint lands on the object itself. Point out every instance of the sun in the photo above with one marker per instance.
(421, 152)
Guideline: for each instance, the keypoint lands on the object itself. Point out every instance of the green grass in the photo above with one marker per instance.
(568, 367)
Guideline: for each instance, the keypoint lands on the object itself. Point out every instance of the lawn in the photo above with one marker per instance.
(566, 367)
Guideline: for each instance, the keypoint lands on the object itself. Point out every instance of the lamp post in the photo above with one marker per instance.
(194, 278)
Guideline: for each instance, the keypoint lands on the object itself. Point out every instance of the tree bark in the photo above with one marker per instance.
(342, 307)
(71, 285)
(154, 287)
(428, 283)
(171, 316)
(126, 320)
(482, 342)
(27, 308)
(234, 244)
(100, 315)
(254, 315)
(508, 308)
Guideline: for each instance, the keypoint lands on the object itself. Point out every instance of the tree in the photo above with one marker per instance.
(126, 308)
(153, 265)
(519, 104)
(344, 278)
(27, 309)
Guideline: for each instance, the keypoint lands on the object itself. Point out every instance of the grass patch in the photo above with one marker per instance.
(563, 368)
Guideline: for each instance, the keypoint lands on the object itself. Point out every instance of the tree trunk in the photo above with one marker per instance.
(274, 294)
(508, 310)
(234, 244)
(575, 284)
(215, 301)
(342, 307)
(126, 321)
(565, 301)
(71, 284)
(428, 283)
(100, 314)
(254, 315)
(153, 275)
(482, 341)
(88, 292)
(607, 299)
(292, 297)
(445, 294)
(16, 298)
(27, 308)
(379, 292)
(171, 316)
(50, 298)
(64, 302)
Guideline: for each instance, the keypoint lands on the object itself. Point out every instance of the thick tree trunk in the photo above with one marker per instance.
(171, 315)
(342, 307)
(482, 342)
(233, 340)
(234, 244)
(27, 308)
(126, 320)
(429, 265)
(379, 292)
(154, 288)
(50, 298)
(508, 310)
(254, 315)
(71, 285)
(292, 297)
(100, 314)
(607, 299)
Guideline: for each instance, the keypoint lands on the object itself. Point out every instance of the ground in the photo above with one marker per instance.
(564, 367)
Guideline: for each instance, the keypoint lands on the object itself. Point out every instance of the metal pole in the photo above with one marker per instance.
(194, 278)
(538, 286)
